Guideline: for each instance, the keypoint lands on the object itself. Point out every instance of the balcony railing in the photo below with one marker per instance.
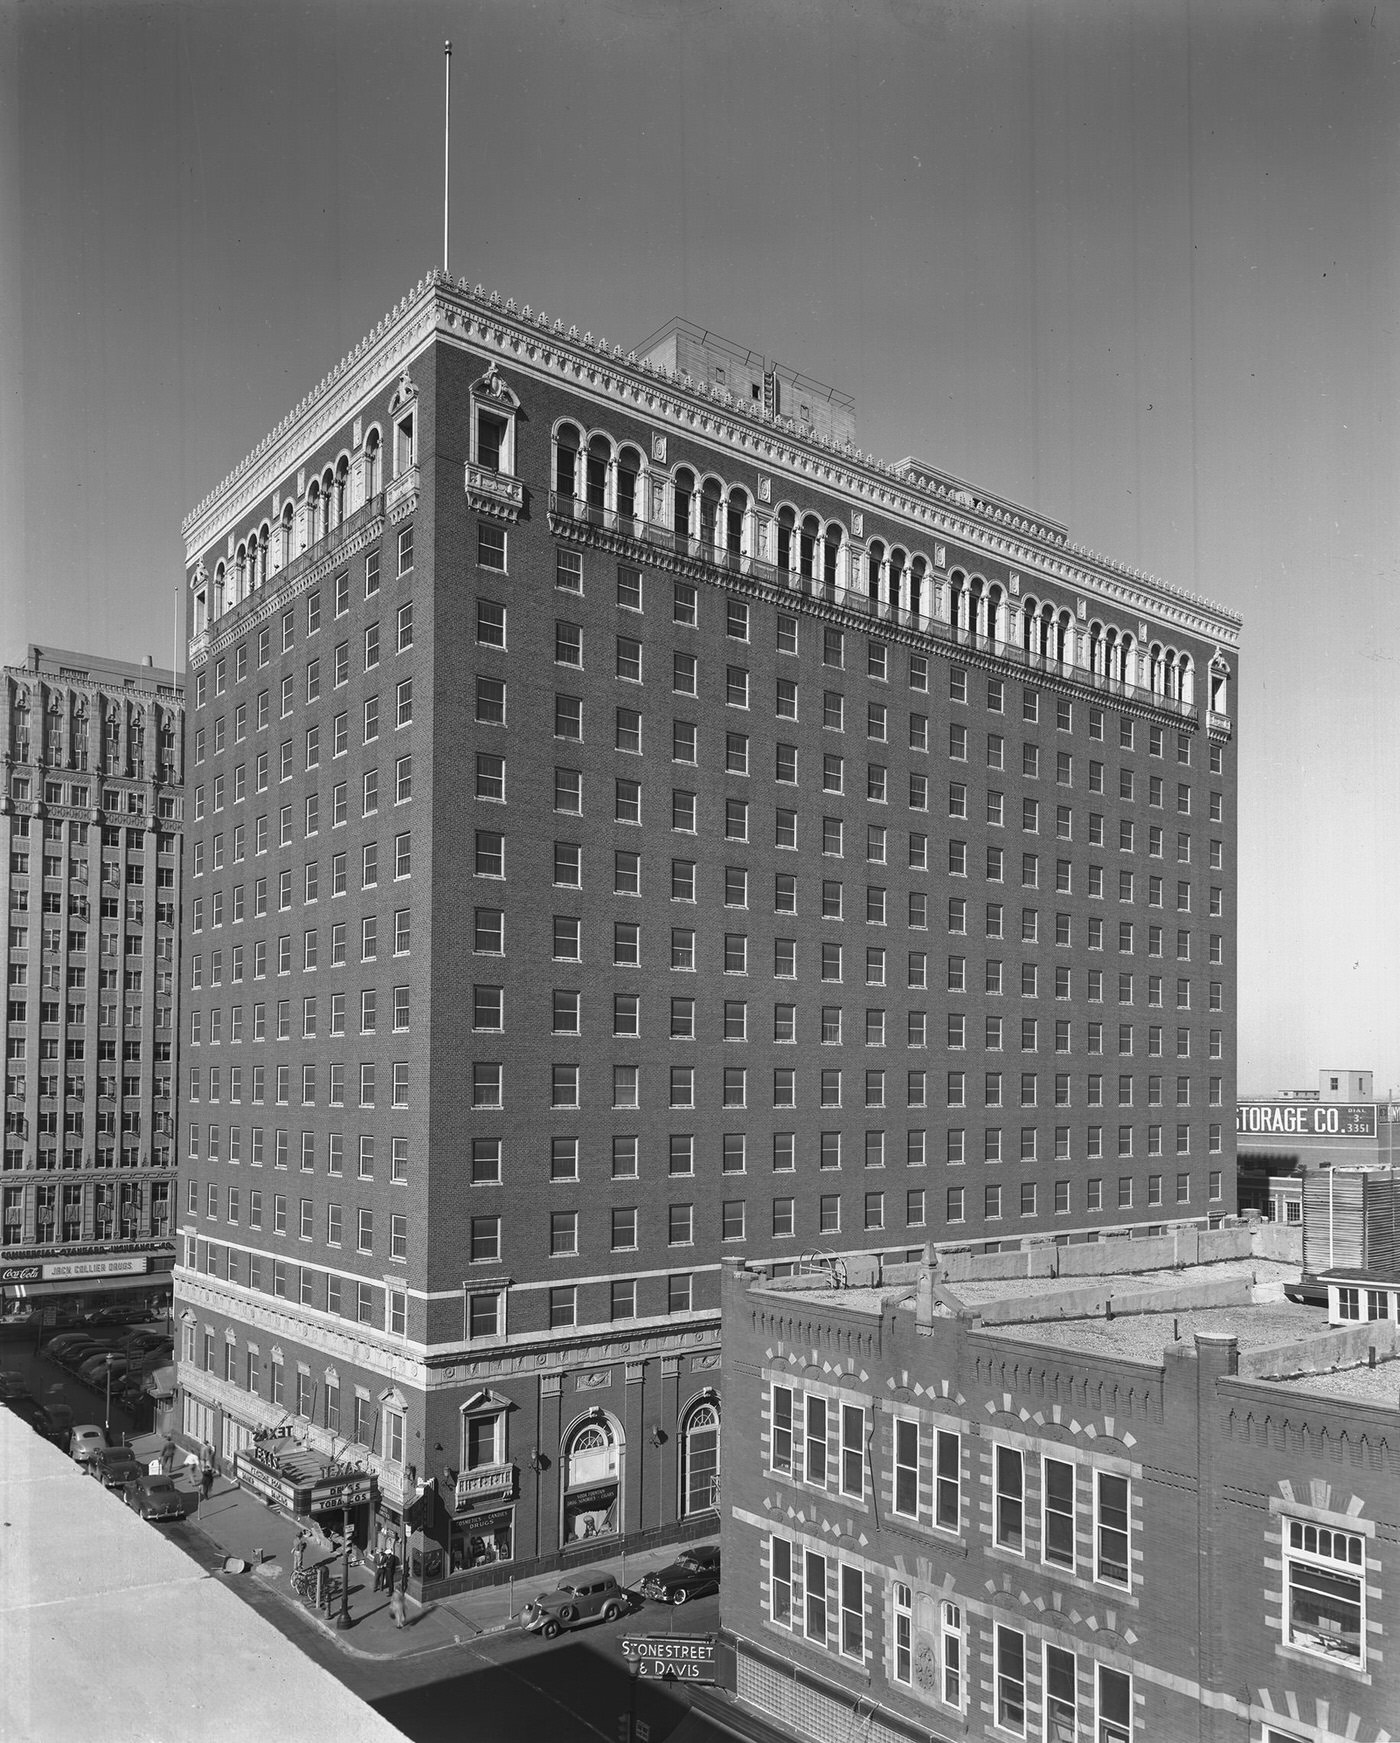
(661, 537)
(494, 493)
(486, 1481)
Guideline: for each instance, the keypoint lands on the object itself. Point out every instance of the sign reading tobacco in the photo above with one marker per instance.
(1305, 1119)
(672, 1657)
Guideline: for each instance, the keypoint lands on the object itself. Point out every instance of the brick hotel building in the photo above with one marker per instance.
(629, 825)
(90, 819)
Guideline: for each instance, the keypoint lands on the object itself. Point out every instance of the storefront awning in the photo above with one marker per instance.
(299, 1478)
(109, 1285)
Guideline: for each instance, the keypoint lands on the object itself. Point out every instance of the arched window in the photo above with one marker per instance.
(787, 523)
(373, 464)
(260, 578)
(342, 489)
(683, 491)
(566, 450)
(920, 593)
(328, 521)
(709, 514)
(1128, 660)
(79, 749)
(220, 583)
(1065, 638)
(592, 1479)
(313, 513)
(1028, 610)
(629, 471)
(874, 563)
(831, 554)
(996, 622)
(807, 547)
(596, 481)
(736, 516)
(955, 598)
(700, 1460)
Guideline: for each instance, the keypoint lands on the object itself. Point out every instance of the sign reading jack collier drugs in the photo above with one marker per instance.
(1305, 1119)
(676, 1657)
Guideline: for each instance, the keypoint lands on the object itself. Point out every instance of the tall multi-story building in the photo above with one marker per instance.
(1131, 1493)
(631, 825)
(91, 817)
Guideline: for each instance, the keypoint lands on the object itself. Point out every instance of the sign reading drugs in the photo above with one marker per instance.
(1305, 1119)
(672, 1657)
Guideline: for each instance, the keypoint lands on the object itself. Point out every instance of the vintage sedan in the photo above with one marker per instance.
(114, 1466)
(87, 1440)
(693, 1574)
(155, 1497)
(575, 1601)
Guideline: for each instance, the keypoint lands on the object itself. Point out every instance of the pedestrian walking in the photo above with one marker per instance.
(396, 1607)
(191, 1464)
(206, 1470)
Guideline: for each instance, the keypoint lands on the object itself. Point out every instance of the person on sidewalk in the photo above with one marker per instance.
(191, 1463)
(396, 1607)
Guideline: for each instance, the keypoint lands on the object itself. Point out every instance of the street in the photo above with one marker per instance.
(497, 1688)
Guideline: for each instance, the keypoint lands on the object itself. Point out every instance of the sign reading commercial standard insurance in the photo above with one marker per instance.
(672, 1657)
(1305, 1119)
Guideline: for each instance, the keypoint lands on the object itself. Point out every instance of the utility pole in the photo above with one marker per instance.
(342, 1619)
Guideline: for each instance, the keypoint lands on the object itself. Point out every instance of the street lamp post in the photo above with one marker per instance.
(107, 1421)
(343, 1617)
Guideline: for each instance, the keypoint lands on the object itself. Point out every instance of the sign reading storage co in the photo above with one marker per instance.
(672, 1657)
(1305, 1119)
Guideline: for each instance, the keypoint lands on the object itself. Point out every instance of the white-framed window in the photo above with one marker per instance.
(780, 1431)
(1325, 1591)
(1061, 1695)
(814, 1596)
(902, 1633)
(483, 1440)
(951, 1624)
(852, 1612)
(780, 1581)
(1009, 1499)
(392, 1442)
(947, 1480)
(853, 1451)
(1009, 1677)
(906, 1469)
(700, 1460)
(1114, 1720)
(1057, 1512)
(1112, 1529)
(814, 1450)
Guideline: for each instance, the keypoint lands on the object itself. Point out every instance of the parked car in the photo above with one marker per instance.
(94, 1370)
(12, 1385)
(87, 1438)
(693, 1574)
(59, 1344)
(155, 1497)
(114, 1466)
(575, 1601)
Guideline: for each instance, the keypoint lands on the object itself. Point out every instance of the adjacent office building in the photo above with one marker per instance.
(630, 825)
(1119, 1492)
(90, 814)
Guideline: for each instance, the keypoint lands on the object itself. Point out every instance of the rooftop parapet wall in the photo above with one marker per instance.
(1185, 1246)
(1345, 1347)
(1094, 1301)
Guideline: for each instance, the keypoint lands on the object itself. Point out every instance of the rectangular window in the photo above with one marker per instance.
(1009, 1500)
(814, 1591)
(852, 1612)
(1057, 1513)
(1111, 1529)
(906, 1468)
(1010, 1680)
(780, 1581)
(1324, 1602)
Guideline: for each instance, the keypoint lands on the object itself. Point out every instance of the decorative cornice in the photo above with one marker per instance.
(907, 489)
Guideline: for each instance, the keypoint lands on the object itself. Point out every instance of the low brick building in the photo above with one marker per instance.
(1105, 1491)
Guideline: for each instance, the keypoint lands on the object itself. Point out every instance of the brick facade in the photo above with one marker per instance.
(1010, 1535)
(672, 895)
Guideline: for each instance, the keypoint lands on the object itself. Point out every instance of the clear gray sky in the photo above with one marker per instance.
(1133, 262)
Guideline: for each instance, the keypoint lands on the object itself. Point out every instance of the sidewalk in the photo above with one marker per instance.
(239, 1524)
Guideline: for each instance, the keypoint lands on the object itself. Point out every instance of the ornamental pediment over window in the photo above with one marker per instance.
(494, 386)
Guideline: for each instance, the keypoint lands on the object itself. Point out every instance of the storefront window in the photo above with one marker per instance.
(592, 1476)
(483, 1538)
(700, 1485)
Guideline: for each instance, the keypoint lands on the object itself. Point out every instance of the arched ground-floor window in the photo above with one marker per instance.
(700, 1460)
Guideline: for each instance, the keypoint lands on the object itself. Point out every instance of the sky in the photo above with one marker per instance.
(1133, 263)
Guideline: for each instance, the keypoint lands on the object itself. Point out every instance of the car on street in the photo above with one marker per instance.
(12, 1385)
(693, 1574)
(155, 1497)
(117, 1315)
(114, 1466)
(575, 1601)
(57, 1346)
(94, 1370)
(87, 1438)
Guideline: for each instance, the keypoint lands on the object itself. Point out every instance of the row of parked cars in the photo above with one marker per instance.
(693, 1574)
(151, 1493)
(90, 1353)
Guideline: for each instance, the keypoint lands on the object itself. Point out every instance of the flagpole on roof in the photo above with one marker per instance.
(446, 137)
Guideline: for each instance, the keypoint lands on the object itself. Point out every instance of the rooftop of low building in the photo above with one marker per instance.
(1133, 1301)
